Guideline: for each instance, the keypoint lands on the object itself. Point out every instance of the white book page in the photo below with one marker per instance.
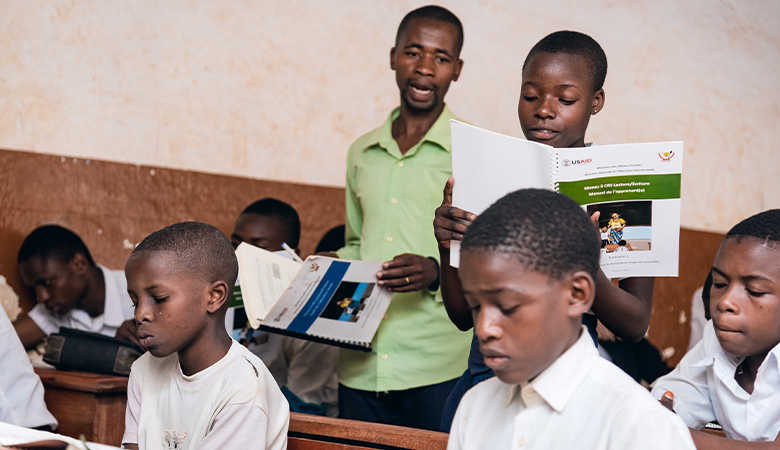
(334, 299)
(487, 166)
(14, 435)
(640, 182)
(264, 278)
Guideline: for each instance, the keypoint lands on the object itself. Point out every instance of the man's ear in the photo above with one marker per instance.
(79, 264)
(582, 291)
(598, 101)
(392, 58)
(219, 294)
(458, 68)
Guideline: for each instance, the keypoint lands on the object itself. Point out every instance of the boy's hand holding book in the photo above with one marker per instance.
(450, 223)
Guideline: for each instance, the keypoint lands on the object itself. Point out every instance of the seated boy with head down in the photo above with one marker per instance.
(305, 370)
(195, 387)
(71, 290)
(528, 265)
(733, 374)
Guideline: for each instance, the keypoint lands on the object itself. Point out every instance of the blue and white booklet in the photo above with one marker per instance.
(635, 187)
(328, 300)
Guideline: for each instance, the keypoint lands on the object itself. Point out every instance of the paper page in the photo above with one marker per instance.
(14, 435)
(640, 184)
(264, 278)
(334, 299)
(487, 166)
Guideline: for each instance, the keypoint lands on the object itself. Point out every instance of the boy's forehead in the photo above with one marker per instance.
(573, 66)
(420, 26)
(753, 257)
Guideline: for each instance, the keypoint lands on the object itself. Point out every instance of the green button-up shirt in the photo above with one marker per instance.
(391, 200)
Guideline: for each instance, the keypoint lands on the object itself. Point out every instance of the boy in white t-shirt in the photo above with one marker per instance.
(733, 374)
(528, 268)
(71, 290)
(196, 387)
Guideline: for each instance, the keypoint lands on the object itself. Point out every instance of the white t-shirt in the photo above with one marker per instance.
(234, 403)
(21, 391)
(580, 401)
(306, 368)
(118, 308)
(704, 390)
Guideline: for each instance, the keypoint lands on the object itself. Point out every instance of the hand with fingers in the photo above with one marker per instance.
(450, 223)
(408, 273)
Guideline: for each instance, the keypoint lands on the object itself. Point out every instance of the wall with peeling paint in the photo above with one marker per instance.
(277, 90)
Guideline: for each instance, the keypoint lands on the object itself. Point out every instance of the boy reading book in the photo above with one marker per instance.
(305, 370)
(733, 374)
(562, 87)
(527, 296)
(195, 387)
(71, 290)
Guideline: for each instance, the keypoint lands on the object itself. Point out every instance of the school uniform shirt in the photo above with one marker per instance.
(234, 403)
(580, 401)
(118, 308)
(704, 390)
(306, 368)
(391, 201)
(21, 391)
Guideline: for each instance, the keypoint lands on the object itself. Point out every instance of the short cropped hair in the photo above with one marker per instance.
(764, 226)
(546, 232)
(286, 214)
(53, 242)
(432, 12)
(579, 44)
(200, 249)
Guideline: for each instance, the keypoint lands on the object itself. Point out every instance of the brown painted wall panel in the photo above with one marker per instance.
(113, 206)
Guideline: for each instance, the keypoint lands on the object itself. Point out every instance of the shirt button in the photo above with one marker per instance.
(521, 442)
(400, 163)
(394, 200)
(384, 356)
(389, 239)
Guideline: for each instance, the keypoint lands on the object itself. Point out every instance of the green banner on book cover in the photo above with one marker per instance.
(621, 188)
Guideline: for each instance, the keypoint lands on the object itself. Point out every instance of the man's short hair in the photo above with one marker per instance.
(546, 232)
(200, 248)
(764, 226)
(432, 12)
(53, 242)
(284, 213)
(579, 44)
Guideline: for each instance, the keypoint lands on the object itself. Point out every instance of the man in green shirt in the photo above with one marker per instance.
(394, 179)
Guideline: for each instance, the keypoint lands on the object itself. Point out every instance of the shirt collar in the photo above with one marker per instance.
(557, 384)
(439, 133)
(112, 309)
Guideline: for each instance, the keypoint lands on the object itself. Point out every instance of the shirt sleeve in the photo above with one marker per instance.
(238, 426)
(132, 412)
(688, 383)
(44, 319)
(649, 431)
(311, 374)
(354, 221)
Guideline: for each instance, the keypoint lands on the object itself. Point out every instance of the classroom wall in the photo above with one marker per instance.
(277, 90)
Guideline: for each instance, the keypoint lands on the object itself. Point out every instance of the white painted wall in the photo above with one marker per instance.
(278, 89)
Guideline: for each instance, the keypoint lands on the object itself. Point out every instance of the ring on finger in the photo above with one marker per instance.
(407, 280)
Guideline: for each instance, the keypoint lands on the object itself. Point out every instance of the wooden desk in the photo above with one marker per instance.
(86, 403)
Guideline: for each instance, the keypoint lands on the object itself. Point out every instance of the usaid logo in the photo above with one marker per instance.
(576, 162)
(279, 317)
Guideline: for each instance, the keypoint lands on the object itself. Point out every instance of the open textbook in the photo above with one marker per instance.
(323, 299)
(635, 187)
(13, 436)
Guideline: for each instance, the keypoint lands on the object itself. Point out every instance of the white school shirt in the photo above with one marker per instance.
(234, 403)
(306, 368)
(21, 391)
(580, 401)
(704, 390)
(118, 308)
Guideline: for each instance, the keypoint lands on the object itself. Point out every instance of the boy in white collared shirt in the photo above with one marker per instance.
(528, 278)
(733, 374)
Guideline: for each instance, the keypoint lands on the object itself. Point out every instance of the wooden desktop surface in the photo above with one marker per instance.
(86, 403)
